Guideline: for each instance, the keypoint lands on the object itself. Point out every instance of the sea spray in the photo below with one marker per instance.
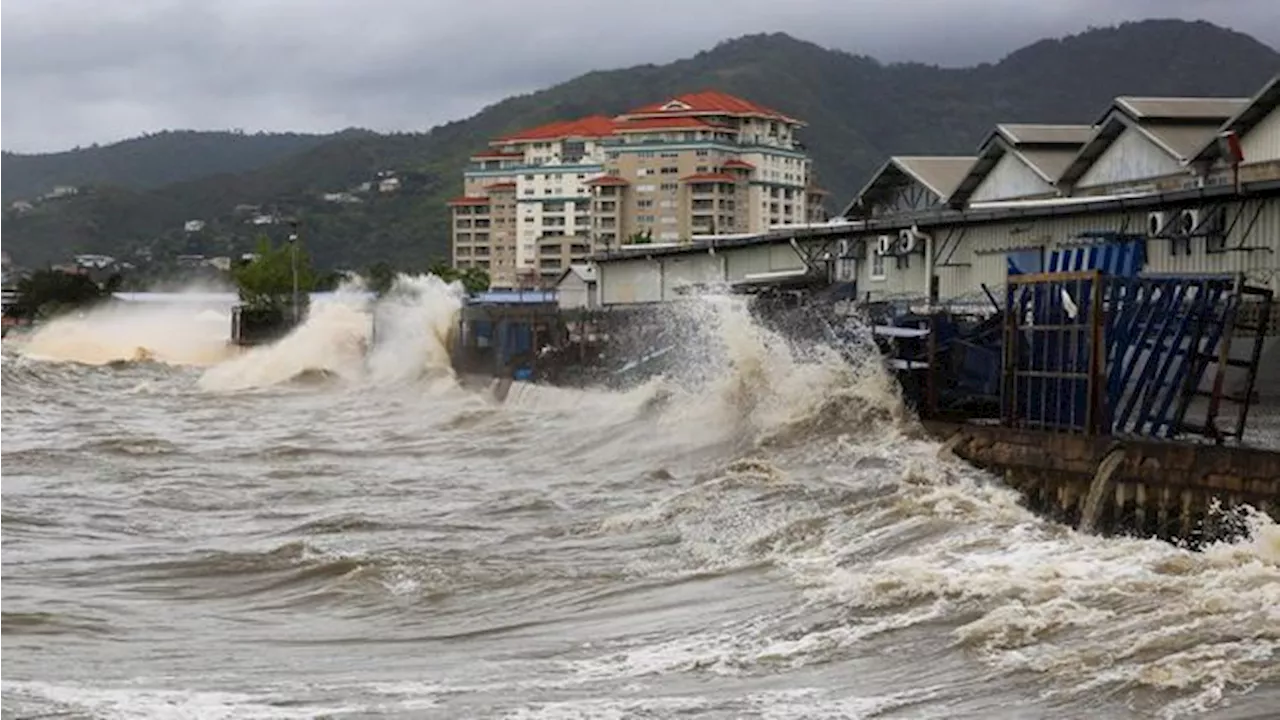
(400, 337)
(413, 324)
(331, 341)
(181, 333)
(577, 547)
(737, 377)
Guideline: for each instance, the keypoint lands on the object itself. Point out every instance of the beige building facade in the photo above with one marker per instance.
(697, 165)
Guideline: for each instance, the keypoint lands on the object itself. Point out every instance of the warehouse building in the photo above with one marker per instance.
(1198, 178)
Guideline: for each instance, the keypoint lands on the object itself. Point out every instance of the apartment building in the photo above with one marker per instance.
(699, 164)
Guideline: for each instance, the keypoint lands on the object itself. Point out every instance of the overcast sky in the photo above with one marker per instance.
(82, 71)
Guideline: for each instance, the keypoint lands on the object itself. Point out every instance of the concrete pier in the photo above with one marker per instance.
(1171, 490)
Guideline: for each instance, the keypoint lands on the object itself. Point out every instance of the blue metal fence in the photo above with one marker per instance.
(1111, 253)
(1092, 353)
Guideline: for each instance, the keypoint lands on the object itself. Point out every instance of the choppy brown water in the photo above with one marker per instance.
(236, 537)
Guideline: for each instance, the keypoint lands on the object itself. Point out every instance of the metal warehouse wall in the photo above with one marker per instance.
(1253, 246)
(980, 255)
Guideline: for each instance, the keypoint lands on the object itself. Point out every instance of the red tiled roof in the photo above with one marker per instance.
(593, 126)
(662, 123)
(467, 200)
(709, 101)
(608, 180)
(499, 187)
(709, 177)
(736, 163)
(497, 154)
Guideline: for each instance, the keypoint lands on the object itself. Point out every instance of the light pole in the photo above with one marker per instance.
(293, 262)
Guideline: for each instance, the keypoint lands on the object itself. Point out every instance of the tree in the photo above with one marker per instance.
(474, 279)
(380, 277)
(49, 292)
(266, 282)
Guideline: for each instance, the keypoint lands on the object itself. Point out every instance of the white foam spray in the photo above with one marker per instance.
(402, 337)
(414, 323)
(180, 333)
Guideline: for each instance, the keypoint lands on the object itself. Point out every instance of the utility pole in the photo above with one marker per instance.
(293, 262)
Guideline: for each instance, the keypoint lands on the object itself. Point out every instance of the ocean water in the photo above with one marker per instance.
(334, 527)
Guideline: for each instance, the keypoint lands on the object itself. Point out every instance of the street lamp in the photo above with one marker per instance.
(293, 262)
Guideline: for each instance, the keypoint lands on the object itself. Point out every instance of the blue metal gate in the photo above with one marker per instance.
(1091, 353)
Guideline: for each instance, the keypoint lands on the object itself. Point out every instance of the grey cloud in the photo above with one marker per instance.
(80, 71)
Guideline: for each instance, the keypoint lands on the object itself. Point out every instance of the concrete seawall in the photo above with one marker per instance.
(1174, 491)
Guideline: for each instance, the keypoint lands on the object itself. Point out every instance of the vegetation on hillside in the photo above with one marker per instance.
(152, 160)
(858, 111)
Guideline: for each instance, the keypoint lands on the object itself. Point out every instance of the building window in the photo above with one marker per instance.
(642, 204)
(703, 153)
(877, 265)
(645, 188)
(671, 187)
(670, 170)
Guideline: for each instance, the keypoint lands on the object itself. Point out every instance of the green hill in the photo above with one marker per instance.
(151, 161)
(858, 111)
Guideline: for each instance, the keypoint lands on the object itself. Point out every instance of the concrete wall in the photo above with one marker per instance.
(632, 281)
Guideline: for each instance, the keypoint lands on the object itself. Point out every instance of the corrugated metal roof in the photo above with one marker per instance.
(1180, 108)
(1181, 136)
(1182, 140)
(1037, 134)
(1049, 163)
(1262, 104)
(941, 174)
